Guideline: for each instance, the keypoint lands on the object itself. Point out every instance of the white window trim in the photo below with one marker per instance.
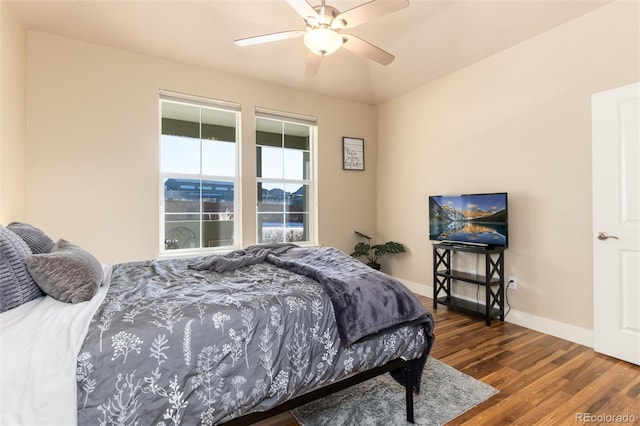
(306, 120)
(186, 99)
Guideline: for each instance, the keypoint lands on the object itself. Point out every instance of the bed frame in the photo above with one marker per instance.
(349, 381)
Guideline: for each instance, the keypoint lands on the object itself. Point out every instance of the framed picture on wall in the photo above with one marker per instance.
(352, 153)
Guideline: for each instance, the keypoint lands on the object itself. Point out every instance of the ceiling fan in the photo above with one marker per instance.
(323, 27)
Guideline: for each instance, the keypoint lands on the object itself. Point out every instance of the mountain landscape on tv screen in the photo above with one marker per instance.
(472, 223)
(448, 213)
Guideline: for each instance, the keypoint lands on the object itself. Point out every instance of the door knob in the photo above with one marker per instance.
(604, 236)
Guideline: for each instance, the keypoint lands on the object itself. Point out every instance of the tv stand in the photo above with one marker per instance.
(492, 280)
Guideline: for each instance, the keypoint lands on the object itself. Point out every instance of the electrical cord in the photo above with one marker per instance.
(506, 299)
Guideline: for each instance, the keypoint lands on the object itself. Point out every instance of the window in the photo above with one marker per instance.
(284, 174)
(198, 167)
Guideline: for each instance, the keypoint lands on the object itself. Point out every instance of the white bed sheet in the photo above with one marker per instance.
(39, 345)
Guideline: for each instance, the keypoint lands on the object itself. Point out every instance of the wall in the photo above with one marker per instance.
(93, 138)
(520, 122)
(13, 66)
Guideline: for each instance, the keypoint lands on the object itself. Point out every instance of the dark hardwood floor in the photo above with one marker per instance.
(543, 380)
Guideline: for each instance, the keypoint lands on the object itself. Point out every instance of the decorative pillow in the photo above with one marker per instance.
(16, 285)
(37, 240)
(68, 274)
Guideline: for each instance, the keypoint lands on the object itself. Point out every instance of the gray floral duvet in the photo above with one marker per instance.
(173, 344)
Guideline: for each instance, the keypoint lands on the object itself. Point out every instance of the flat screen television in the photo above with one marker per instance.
(473, 219)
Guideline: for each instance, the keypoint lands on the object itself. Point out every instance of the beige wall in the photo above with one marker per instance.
(13, 67)
(93, 138)
(520, 122)
(517, 122)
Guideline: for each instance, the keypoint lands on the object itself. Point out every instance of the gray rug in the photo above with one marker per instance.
(445, 394)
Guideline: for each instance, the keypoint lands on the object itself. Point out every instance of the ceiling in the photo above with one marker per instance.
(429, 38)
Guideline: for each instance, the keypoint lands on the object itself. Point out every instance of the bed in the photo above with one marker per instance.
(209, 340)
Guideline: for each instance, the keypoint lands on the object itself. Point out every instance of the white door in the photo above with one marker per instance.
(616, 222)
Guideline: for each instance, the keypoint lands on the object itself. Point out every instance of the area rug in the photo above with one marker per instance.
(445, 394)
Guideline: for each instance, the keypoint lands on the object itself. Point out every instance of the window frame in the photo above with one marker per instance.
(311, 181)
(201, 103)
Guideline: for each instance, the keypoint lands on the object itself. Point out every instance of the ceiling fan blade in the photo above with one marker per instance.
(313, 64)
(366, 49)
(365, 12)
(267, 38)
(303, 8)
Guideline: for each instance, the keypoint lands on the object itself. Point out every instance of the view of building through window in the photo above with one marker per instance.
(198, 167)
(199, 175)
(284, 178)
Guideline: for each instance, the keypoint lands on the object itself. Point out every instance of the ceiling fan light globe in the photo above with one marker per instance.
(322, 41)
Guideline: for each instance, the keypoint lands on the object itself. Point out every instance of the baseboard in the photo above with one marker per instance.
(579, 335)
(421, 289)
(572, 333)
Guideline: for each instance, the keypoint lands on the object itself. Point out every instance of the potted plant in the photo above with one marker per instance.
(373, 253)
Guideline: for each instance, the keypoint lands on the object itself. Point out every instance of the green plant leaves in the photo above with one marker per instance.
(375, 252)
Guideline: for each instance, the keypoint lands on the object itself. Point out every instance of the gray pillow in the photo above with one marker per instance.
(68, 274)
(16, 285)
(37, 240)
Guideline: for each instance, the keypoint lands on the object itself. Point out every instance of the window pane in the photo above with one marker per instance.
(297, 217)
(180, 140)
(200, 141)
(182, 208)
(284, 170)
(270, 228)
(180, 155)
(181, 195)
(218, 193)
(296, 136)
(181, 234)
(297, 198)
(217, 213)
(218, 158)
(269, 132)
(218, 125)
(180, 120)
(271, 197)
(297, 227)
(270, 162)
(294, 164)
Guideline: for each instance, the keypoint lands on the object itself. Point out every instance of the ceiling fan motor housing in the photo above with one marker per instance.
(323, 27)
